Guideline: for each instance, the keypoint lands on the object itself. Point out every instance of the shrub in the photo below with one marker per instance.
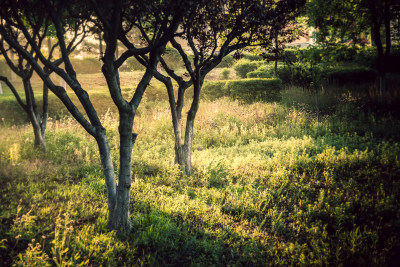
(256, 89)
(266, 68)
(88, 65)
(351, 75)
(259, 74)
(244, 66)
(226, 62)
(214, 90)
(285, 75)
(225, 73)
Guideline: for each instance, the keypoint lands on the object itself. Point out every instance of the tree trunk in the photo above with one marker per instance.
(33, 114)
(187, 148)
(108, 171)
(39, 138)
(45, 114)
(178, 143)
(119, 217)
(183, 151)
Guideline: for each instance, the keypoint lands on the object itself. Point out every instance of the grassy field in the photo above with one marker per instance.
(272, 185)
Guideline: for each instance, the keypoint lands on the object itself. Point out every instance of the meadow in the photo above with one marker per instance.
(273, 185)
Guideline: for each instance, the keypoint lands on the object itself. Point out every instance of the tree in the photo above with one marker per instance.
(214, 30)
(157, 20)
(22, 68)
(346, 20)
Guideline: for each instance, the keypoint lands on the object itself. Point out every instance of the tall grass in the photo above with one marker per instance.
(272, 185)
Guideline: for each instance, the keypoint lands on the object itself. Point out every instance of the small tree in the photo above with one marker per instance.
(214, 30)
(23, 69)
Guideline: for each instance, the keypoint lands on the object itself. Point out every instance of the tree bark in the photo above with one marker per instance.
(108, 171)
(188, 146)
(119, 218)
(33, 114)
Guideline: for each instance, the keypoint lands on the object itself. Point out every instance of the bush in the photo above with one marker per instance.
(285, 75)
(304, 75)
(244, 66)
(266, 68)
(225, 73)
(246, 90)
(259, 74)
(352, 75)
(214, 90)
(88, 65)
(257, 89)
(226, 62)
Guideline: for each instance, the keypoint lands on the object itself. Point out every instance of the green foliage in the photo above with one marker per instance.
(243, 66)
(339, 54)
(259, 74)
(226, 62)
(88, 65)
(225, 73)
(246, 90)
(332, 18)
(355, 75)
(214, 90)
(257, 89)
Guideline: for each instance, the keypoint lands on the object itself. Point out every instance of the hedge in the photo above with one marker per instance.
(301, 75)
(256, 89)
(214, 90)
(243, 66)
(259, 74)
(246, 90)
(226, 62)
(351, 75)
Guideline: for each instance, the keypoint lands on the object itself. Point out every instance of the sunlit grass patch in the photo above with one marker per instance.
(271, 185)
